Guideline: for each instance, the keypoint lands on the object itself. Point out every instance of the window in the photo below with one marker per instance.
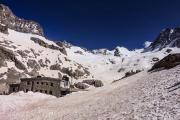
(62, 83)
(63, 92)
(42, 83)
(51, 84)
(28, 83)
(46, 83)
(40, 91)
(37, 82)
(66, 83)
(27, 90)
(45, 91)
(50, 92)
(14, 89)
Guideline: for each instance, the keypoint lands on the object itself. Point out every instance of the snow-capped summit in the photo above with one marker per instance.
(102, 51)
(119, 51)
(167, 38)
(147, 44)
(11, 21)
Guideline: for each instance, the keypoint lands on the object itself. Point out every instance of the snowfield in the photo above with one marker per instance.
(144, 96)
(106, 67)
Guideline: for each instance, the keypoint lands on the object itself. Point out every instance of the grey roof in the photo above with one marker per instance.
(40, 78)
(14, 85)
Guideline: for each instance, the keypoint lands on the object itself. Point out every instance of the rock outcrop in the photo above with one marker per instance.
(117, 52)
(95, 83)
(101, 51)
(11, 21)
(33, 64)
(46, 45)
(167, 62)
(130, 73)
(81, 85)
(6, 54)
(167, 38)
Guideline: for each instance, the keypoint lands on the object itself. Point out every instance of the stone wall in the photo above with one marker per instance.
(13, 88)
(43, 85)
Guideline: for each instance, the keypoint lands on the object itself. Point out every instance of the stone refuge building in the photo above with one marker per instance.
(47, 85)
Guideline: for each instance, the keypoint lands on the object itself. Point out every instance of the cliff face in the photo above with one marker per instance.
(11, 21)
(167, 38)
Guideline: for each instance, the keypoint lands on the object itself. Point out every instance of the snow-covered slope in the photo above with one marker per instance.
(144, 96)
(109, 65)
(30, 55)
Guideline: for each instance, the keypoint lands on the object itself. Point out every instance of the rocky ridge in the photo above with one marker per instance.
(15, 23)
(167, 38)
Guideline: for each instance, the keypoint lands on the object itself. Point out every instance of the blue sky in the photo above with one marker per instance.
(100, 23)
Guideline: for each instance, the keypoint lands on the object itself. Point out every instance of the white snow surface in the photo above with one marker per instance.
(16, 41)
(147, 44)
(144, 96)
(101, 66)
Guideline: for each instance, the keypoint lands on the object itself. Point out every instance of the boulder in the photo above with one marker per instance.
(130, 73)
(167, 62)
(98, 83)
(89, 82)
(81, 85)
(155, 59)
(168, 50)
(95, 83)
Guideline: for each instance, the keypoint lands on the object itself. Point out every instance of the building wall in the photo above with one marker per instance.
(14, 88)
(26, 86)
(48, 87)
(4, 88)
(43, 86)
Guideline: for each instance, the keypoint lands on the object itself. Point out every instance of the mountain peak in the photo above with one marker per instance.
(8, 18)
(169, 37)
